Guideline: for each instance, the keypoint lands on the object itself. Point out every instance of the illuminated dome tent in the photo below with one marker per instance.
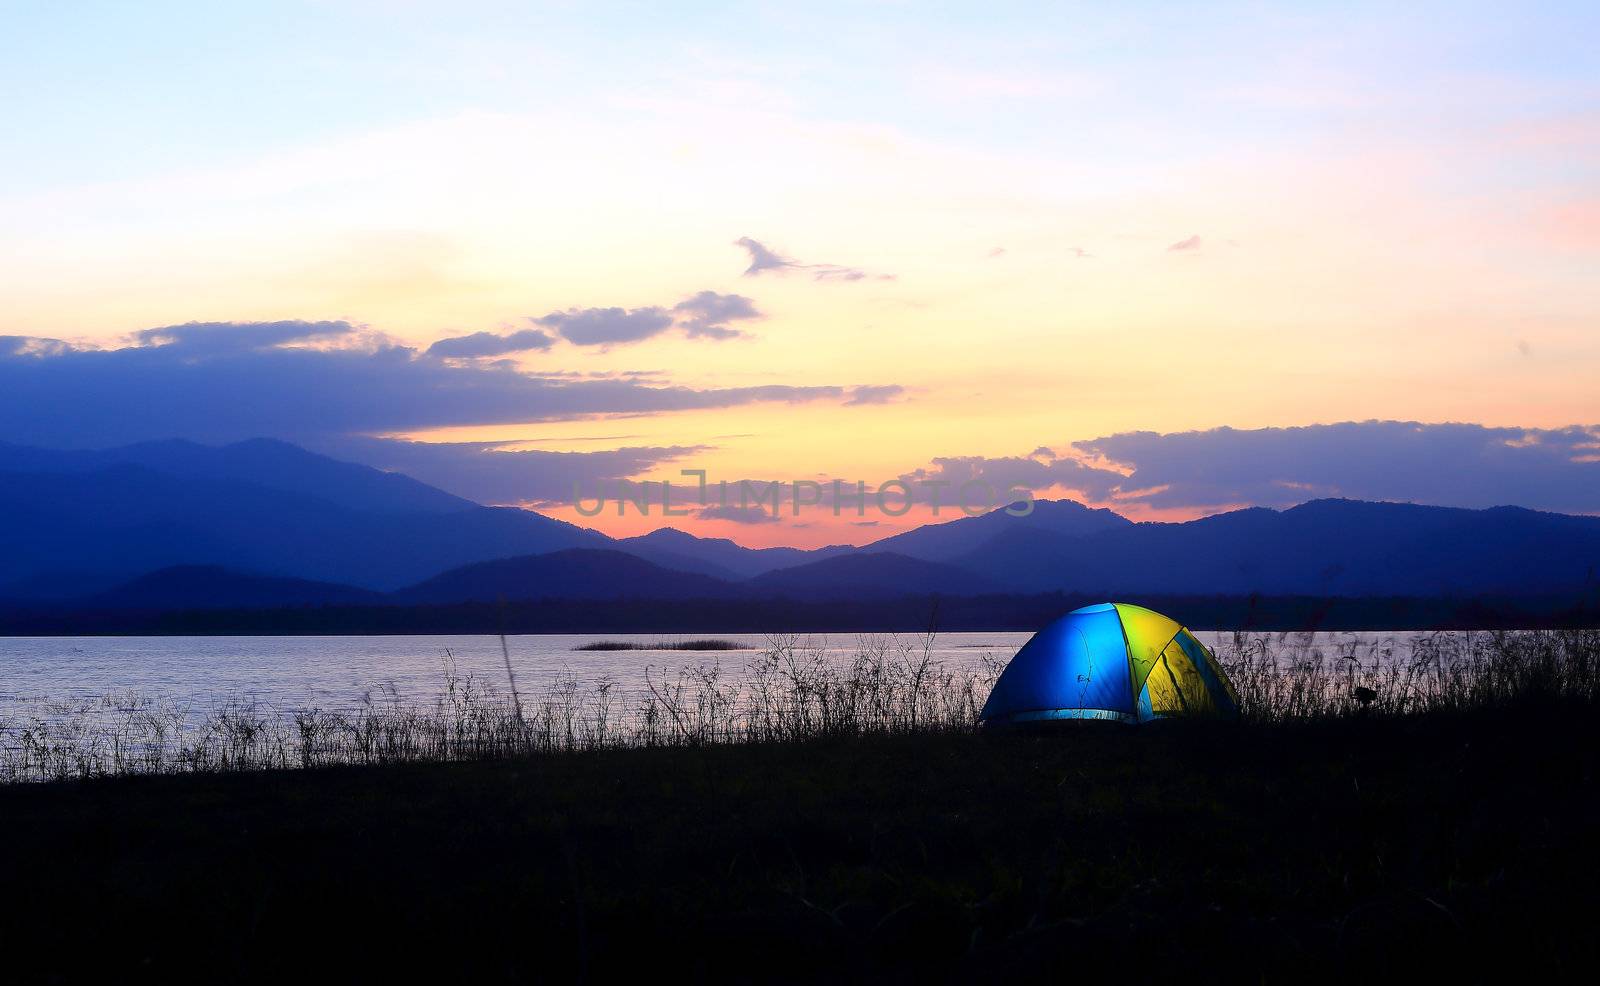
(1111, 661)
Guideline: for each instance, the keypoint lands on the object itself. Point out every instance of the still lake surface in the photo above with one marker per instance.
(339, 673)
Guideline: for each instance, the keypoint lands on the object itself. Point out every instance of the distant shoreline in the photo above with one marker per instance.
(1003, 613)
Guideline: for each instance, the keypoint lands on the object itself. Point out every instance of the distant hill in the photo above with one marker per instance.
(952, 540)
(1320, 548)
(78, 524)
(869, 574)
(194, 587)
(719, 557)
(57, 585)
(261, 462)
(571, 574)
(127, 520)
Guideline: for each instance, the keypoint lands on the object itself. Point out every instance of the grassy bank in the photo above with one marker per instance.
(1455, 843)
(789, 691)
(1371, 816)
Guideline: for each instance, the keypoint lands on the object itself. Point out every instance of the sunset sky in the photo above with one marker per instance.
(1156, 257)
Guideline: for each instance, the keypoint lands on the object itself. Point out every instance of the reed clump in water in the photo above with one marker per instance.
(1290, 676)
(790, 691)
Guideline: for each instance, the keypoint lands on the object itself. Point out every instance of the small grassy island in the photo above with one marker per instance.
(672, 645)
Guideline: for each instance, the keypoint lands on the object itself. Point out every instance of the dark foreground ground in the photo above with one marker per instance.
(1452, 846)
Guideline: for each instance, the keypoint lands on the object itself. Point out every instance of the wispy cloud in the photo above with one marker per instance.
(739, 515)
(705, 315)
(32, 346)
(875, 394)
(607, 326)
(1188, 244)
(765, 260)
(221, 338)
(710, 314)
(499, 473)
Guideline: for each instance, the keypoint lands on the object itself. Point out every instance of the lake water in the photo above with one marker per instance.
(337, 673)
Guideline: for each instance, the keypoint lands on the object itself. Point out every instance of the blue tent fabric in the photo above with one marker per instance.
(1079, 667)
(1079, 662)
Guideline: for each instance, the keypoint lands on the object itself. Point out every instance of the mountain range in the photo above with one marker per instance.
(262, 506)
(263, 523)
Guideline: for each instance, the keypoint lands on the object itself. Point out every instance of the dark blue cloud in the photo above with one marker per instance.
(1018, 472)
(480, 344)
(223, 382)
(493, 473)
(1466, 465)
(1463, 465)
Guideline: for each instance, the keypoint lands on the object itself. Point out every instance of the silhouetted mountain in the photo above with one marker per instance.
(129, 520)
(56, 585)
(73, 524)
(951, 540)
(262, 462)
(719, 557)
(872, 573)
(1321, 548)
(194, 587)
(572, 574)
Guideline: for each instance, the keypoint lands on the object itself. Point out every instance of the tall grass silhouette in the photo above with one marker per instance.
(789, 691)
